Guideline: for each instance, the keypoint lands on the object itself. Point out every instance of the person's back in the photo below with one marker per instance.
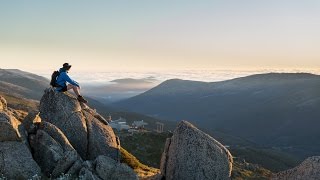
(65, 82)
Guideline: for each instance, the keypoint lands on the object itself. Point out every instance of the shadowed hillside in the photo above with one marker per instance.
(269, 109)
(22, 83)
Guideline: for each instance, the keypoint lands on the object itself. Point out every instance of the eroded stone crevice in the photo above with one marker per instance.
(88, 135)
(165, 157)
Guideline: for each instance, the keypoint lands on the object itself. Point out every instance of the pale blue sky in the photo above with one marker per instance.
(145, 34)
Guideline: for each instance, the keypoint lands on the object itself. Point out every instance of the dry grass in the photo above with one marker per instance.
(19, 103)
(143, 171)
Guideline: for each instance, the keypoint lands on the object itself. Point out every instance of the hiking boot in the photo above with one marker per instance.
(81, 99)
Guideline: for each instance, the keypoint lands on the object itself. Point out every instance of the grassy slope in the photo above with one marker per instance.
(19, 103)
(241, 170)
(147, 147)
(142, 170)
(271, 159)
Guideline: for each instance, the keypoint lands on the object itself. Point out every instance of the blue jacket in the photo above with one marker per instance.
(63, 78)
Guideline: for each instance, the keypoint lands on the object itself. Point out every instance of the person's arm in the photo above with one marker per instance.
(69, 80)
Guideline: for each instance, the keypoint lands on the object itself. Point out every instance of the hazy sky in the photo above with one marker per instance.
(148, 34)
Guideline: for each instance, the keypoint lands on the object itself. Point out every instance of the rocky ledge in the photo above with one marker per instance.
(65, 137)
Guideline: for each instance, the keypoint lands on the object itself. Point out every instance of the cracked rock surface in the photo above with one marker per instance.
(88, 135)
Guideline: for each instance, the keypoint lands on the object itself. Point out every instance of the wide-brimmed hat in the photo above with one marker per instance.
(66, 66)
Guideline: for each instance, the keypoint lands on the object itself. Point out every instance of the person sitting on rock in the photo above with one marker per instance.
(62, 80)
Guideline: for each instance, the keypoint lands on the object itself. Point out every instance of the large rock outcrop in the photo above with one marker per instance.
(192, 154)
(308, 169)
(89, 135)
(16, 161)
(65, 137)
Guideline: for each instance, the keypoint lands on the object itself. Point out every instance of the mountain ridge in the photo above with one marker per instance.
(22, 83)
(266, 108)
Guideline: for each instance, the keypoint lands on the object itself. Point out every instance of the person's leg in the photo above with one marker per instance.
(75, 89)
(77, 92)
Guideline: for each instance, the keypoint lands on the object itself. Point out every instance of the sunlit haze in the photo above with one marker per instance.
(144, 35)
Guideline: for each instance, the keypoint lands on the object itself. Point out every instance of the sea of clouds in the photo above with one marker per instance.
(100, 78)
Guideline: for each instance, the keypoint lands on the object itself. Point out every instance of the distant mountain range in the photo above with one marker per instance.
(275, 109)
(23, 84)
